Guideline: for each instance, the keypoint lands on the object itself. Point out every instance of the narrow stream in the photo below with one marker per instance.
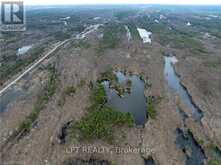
(175, 86)
(128, 33)
(194, 154)
(133, 102)
(184, 139)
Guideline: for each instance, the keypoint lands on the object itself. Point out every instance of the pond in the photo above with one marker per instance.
(133, 102)
(149, 161)
(175, 86)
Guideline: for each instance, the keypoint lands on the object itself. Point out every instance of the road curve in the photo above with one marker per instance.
(32, 67)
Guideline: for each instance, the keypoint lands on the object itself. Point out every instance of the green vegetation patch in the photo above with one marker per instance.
(178, 38)
(214, 162)
(214, 64)
(81, 83)
(8, 37)
(152, 103)
(77, 27)
(42, 100)
(181, 41)
(8, 69)
(98, 95)
(151, 111)
(101, 119)
(211, 26)
(111, 77)
(70, 90)
(82, 44)
(214, 154)
(133, 30)
(99, 123)
(108, 76)
(60, 36)
(125, 14)
(111, 37)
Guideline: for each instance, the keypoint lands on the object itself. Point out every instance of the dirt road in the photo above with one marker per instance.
(59, 44)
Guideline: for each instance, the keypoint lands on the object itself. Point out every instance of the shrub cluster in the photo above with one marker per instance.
(42, 100)
(101, 119)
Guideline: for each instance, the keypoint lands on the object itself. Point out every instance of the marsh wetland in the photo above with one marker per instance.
(141, 78)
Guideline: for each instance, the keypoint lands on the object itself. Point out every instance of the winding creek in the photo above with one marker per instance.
(194, 153)
(133, 102)
(175, 86)
(184, 139)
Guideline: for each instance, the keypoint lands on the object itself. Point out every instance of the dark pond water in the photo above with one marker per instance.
(133, 102)
(149, 161)
(9, 96)
(194, 153)
(176, 87)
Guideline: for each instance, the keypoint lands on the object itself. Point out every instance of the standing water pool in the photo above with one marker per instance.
(133, 102)
(175, 86)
